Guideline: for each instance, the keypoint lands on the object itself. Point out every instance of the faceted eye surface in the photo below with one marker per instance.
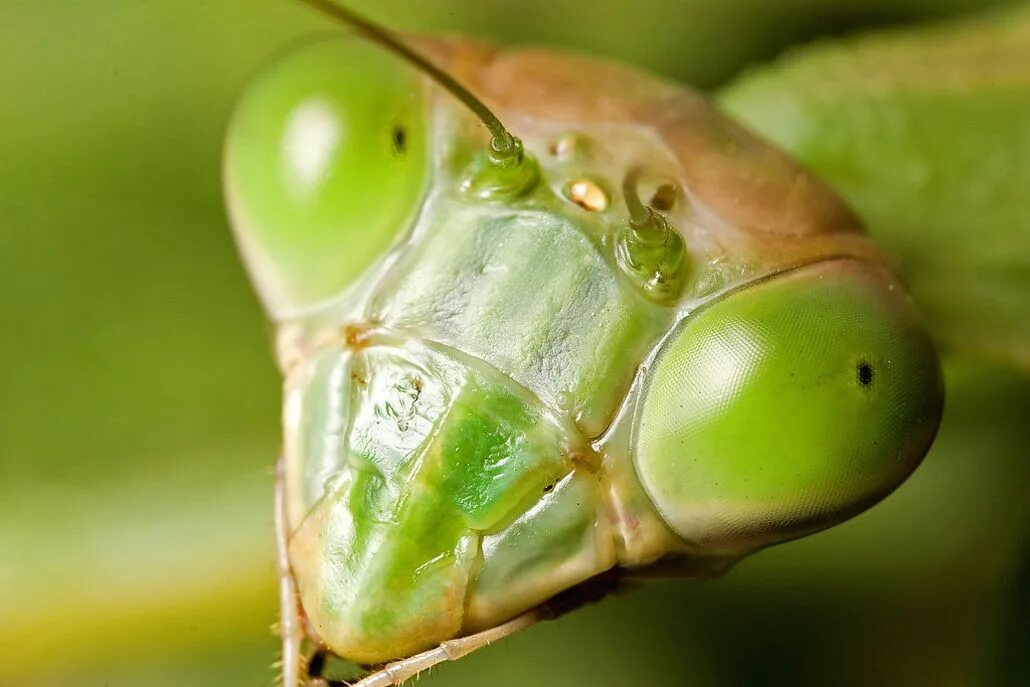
(326, 164)
(787, 407)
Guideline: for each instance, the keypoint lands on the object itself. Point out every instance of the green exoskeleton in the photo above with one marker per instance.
(636, 339)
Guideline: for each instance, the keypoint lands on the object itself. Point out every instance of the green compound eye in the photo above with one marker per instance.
(326, 164)
(787, 407)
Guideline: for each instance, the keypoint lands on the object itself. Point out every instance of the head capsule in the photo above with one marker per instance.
(787, 406)
(326, 164)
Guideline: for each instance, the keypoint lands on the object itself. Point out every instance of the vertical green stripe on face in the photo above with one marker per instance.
(494, 451)
(437, 454)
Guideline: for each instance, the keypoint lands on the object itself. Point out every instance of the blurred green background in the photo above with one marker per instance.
(139, 402)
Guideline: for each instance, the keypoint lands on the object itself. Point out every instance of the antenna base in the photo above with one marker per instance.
(502, 171)
(652, 254)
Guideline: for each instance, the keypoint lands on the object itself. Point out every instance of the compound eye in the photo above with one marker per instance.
(787, 407)
(326, 163)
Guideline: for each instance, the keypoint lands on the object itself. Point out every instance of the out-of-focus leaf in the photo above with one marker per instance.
(927, 133)
(701, 42)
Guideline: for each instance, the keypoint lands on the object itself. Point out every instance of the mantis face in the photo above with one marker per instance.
(507, 375)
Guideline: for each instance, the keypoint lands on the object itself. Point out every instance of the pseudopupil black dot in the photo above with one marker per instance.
(400, 139)
(865, 373)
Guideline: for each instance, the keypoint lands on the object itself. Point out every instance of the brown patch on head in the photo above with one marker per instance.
(778, 214)
(748, 182)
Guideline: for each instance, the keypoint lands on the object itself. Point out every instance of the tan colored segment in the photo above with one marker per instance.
(349, 607)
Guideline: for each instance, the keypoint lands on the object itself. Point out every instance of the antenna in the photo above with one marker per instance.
(641, 217)
(505, 148)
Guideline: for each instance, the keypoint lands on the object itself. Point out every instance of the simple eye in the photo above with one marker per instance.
(787, 407)
(326, 163)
